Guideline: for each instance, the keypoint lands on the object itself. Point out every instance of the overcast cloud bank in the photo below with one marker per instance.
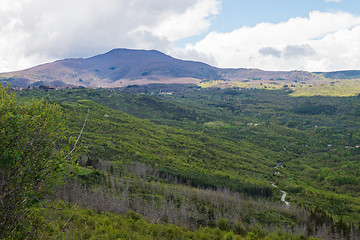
(36, 31)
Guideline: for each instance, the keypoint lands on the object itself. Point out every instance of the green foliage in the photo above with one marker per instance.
(226, 138)
(30, 162)
(223, 224)
(315, 109)
(76, 223)
(198, 158)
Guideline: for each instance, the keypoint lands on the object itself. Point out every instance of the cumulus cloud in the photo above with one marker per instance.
(298, 51)
(270, 51)
(289, 51)
(35, 31)
(181, 24)
(320, 42)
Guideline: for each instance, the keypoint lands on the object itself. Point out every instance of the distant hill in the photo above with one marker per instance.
(119, 67)
(123, 67)
(350, 74)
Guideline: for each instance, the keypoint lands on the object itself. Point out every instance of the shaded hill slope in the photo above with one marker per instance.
(350, 74)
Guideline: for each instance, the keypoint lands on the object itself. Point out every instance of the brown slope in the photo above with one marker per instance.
(116, 68)
(121, 67)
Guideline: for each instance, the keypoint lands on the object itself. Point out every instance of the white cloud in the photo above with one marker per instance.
(184, 24)
(35, 31)
(333, 0)
(323, 41)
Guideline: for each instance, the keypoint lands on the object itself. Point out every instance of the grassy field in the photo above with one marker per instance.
(324, 87)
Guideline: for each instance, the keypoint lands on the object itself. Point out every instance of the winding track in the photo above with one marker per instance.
(283, 198)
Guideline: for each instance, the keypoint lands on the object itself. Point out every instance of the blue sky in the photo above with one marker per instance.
(312, 35)
(237, 13)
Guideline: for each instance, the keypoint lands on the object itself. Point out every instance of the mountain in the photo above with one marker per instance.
(119, 67)
(350, 74)
(123, 67)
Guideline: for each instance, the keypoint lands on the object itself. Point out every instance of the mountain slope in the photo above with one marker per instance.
(235, 139)
(123, 67)
(250, 142)
(119, 67)
(194, 156)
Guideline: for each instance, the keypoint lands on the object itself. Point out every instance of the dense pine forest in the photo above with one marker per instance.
(184, 162)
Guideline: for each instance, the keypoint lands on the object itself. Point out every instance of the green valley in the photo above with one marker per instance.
(208, 160)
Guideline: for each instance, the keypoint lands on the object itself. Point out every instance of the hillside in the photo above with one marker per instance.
(351, 74)
(202, 151)
(123, 67)
(118, 67)
(218, 143)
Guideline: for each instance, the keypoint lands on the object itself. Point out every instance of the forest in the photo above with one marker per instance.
(184, 162)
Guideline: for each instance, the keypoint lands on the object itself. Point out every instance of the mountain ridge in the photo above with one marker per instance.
(122, 67)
